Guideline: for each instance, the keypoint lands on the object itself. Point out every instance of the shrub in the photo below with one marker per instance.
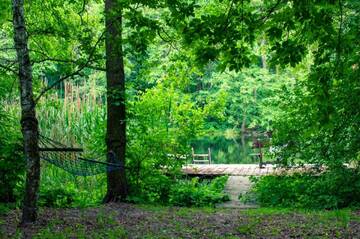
(194, 193)
(57, 197)
(169, 191)
(151, 189)
(12, 164)
(330, 190)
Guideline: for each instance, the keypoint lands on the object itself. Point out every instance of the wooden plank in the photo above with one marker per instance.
(201, 155)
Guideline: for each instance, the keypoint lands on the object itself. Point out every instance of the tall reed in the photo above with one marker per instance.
(75, 118)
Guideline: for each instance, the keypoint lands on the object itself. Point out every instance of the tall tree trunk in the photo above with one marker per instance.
(116, 115)
(29, 122)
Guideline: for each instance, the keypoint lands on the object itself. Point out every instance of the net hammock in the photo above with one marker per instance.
(71, 159)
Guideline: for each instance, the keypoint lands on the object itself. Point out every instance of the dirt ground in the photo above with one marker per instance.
(141, 221)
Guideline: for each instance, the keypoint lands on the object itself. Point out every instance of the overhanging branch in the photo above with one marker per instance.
(76, 72)
(8, 68)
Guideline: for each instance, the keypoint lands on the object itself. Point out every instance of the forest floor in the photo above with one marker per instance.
(143, 221)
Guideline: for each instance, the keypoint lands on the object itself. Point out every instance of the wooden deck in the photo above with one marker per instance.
(241, 169)
(228, 169)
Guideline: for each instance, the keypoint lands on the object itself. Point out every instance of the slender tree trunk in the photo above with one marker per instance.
(29, 122)
(263, 55)
(116, 114)
(243, 133)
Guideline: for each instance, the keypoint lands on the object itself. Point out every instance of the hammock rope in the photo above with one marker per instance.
(71, 159)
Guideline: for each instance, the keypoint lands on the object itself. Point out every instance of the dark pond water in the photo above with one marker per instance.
(227, 148)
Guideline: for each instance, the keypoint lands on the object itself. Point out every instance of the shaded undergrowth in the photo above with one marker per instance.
(146, 221)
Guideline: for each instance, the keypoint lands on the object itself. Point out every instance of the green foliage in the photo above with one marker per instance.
(12, 163)
(320, 115)
(328, 190)
(61, 189)
(183, 62)
(249, 98)
(317, 116)
(151, 188)
(161, 121)
(56, 197)
(6, 207)
(194, 193)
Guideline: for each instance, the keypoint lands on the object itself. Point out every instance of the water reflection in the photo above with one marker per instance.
(226, 148)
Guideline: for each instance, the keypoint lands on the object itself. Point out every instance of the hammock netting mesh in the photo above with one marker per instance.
(71, 159)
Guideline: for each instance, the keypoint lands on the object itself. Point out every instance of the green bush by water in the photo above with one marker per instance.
(60, 189)
(195, 193)
(330, 190)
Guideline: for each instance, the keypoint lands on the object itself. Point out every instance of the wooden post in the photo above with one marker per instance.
(193, 154)
(209, 155)
(260, 157)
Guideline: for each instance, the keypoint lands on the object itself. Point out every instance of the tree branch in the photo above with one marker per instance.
(272, 9)
(77, 72)
(8, 68)
(226, 22)
(169, 40)
(69, 61)
(8, 49)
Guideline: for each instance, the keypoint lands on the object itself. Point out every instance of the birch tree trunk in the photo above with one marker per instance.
(29, 123)
(116, 114)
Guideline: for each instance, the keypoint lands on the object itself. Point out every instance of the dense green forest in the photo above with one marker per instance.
(135, 86)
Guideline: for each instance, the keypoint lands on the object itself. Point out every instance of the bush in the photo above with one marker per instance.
(57, 197)
(151, 189)
(194, 193)
(330, 190)
(12, 164)
(169, 191)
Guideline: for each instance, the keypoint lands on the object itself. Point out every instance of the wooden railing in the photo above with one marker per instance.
(201, 158)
